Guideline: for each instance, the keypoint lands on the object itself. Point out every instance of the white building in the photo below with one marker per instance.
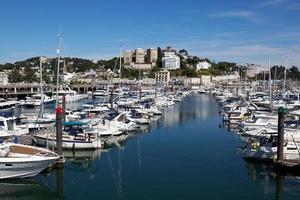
(206, 80)
(152, 55)
(139, 55)
(141, 66)
(3, 78)
(253, 70)
(128, 57)
(203, 65)
(170, 61)
(226, 78)
(162, 77)
(192, 81)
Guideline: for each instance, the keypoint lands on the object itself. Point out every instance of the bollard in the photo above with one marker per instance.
(58, 124)
(64, 107)
(280, 141)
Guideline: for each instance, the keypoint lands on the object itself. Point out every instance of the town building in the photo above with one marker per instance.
(226, 78)
(162, 77)
(3, 78)
(253, 70)
(151, 55)
(139, 55)
(192, 81)
(203, 65)
(206, 80)
(128, 57)
(141, 66)
(170, 60)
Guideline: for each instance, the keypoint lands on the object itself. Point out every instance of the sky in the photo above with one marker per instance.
(241, 31)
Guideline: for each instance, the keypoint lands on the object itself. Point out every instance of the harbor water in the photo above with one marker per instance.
(185, 154)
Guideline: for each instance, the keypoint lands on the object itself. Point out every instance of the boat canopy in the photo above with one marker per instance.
(74, 123)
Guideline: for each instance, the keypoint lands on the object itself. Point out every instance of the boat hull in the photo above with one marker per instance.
(67, 145)
(12, 169)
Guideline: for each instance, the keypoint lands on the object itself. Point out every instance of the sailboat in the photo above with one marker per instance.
(38, 99)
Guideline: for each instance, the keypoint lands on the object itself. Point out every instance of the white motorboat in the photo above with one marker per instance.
(122, 123)
(21, 161)
(266, 150)
(80, 141)
(7, 104)
(149, 110)
(47, 118)
(8, 128)
(137, 117)
(95, 108)
(70, 116)
(74, 137)
(290, 134)
(259, 121)
(70, 95)
(101, 93)
(37, 100)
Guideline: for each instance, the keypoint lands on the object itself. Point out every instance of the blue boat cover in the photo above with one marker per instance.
(74, 123)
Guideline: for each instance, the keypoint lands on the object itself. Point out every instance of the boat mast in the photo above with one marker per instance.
(58, 62)
(41, 85)
(121, 66)
(41, 76)
(264, 82)
(270, 83)
(284, 80)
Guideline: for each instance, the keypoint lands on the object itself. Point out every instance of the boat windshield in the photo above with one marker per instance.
(2, 124)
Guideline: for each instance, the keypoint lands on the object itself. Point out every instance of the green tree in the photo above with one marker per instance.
(293, 73)
(159, 58)
(15, 76)
(30, 75)
(46, 78)
(153, 70)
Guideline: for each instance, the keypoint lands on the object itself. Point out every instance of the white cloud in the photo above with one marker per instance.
(270, 3)
(248, 15)
(233, 14)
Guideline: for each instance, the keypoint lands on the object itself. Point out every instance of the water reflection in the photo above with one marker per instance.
(25, 189)
(82, 158)
(273, 183)
(193, 108)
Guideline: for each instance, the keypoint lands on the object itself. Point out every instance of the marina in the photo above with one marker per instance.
(157, 100)
(182, 154)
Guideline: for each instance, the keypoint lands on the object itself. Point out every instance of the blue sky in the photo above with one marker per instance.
(242, 31)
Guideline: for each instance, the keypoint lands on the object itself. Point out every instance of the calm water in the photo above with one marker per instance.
(184, 155)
